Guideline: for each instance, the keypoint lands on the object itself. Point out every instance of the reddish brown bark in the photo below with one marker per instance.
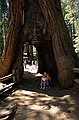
(56, 55)
(60, 40)
(15, 25)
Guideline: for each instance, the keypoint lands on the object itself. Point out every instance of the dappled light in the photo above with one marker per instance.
(36, 104)
(40, 105)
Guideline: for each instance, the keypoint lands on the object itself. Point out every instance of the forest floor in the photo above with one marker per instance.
(49, 104)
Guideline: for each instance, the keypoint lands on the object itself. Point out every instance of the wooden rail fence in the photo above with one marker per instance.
(76, 70)
(14, 76)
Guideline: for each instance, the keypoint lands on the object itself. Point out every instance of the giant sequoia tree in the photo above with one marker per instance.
(39, 22)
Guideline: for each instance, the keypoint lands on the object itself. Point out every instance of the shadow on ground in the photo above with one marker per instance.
(49, 104)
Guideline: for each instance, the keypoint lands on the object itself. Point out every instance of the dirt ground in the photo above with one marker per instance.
(49, 104)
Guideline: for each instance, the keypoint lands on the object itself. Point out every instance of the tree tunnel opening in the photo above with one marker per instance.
(37, 59)
(30, 58)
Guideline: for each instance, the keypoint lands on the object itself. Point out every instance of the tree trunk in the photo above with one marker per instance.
(62, 47)
(15, 25)
(56, 54)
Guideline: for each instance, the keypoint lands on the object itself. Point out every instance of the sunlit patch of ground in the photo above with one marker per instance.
(40, 106)
(31, 68)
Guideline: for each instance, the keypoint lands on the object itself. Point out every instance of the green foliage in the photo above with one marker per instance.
(1, 38)
(68, 14)
(3, 23)
(70, 9)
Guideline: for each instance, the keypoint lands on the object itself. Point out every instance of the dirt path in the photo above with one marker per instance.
(50, 104)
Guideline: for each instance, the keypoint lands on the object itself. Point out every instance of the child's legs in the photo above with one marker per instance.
(41, 84)
(44, 84)
(47, 84)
